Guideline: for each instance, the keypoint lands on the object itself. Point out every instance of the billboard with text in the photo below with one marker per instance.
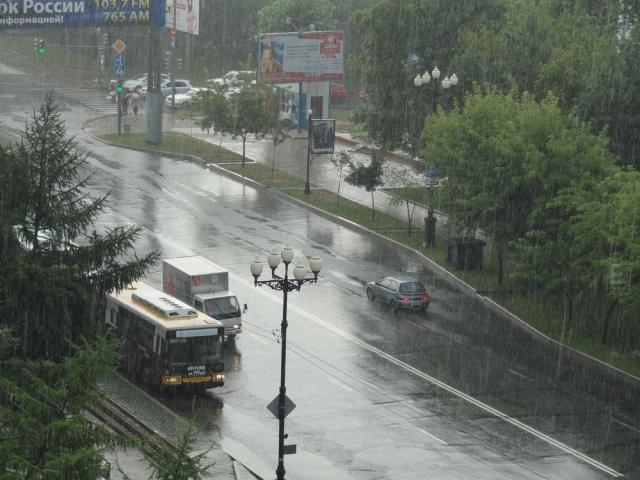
(301, 57)
(187, 16)
(76, 13)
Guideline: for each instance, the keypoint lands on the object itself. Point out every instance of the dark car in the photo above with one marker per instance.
(399, 292)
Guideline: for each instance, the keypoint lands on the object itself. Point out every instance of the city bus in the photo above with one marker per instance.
(166, 344)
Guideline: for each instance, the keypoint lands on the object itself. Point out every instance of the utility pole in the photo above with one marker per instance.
(174, 34)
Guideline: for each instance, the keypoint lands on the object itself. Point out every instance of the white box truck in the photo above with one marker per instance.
(205, 285)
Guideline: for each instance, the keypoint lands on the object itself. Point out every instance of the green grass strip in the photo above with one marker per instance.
(175, 143)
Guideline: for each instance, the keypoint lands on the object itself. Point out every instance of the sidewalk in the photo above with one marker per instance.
(291, 157)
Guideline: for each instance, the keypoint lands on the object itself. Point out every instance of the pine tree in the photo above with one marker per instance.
(45, 433)
(55, 267)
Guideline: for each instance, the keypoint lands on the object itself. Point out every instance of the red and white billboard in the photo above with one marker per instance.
(301, 57)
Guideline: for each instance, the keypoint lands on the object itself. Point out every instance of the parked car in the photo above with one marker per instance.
(399, 292)
(234, 77)
(183, 99)
(166, 87)
(338, 92)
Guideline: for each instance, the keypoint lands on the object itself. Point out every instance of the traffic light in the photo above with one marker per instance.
(105, 38)
(42, 48)
(167, 60)
(35, 44)
(119, 87)
(179, 64)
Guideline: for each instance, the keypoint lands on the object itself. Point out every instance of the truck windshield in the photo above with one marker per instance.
(194, 350)
(222, 307)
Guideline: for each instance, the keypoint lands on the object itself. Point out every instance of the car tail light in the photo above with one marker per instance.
(425, 298)
(404, 299)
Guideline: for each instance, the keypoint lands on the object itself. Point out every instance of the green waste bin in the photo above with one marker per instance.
(465, 253)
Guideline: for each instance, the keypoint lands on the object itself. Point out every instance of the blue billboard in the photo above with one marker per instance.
(76, 13)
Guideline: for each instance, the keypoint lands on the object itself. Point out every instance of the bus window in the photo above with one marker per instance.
(183, 351)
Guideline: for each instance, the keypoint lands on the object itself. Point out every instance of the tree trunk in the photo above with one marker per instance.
(339, 181)
(273, 161)
(604, 336)
(500, 266)
(373, 209)
(244, 142)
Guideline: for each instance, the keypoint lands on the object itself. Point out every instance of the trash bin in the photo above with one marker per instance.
(126, 128)
(465, 253)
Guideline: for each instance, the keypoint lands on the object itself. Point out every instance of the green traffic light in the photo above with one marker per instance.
(42, 50)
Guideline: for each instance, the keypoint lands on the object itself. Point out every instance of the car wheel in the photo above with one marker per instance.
(424, 310)
(370, 296)
(395, 306)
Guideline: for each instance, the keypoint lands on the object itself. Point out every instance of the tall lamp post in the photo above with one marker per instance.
(425, 79)
(286, 285)
(307, 186)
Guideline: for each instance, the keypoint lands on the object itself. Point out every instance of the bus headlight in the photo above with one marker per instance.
(236, 326)
(220, 376)
(171, 379)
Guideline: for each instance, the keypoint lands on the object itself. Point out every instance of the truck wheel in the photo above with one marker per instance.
(370, 296)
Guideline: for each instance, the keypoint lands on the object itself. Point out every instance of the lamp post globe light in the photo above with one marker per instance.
(286, 285)
(425, 79)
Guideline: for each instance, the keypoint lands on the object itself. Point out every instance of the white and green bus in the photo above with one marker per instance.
(165, 342)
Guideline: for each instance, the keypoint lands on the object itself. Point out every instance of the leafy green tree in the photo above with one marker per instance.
(368, 177)
(399, 40)
(45, 432)
(406, 181)
(216, 112)
(248, 115)
(277, 128)
(55, 266)
(302, 13)
(343, 162)
(504, 156)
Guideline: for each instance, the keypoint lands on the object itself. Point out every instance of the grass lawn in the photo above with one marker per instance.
(420, 195)
(262, 173)
(176, 143)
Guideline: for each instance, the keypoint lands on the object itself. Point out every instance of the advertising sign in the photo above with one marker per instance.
(187, 16)
(323, 135)
(301, 57)
(76, 13)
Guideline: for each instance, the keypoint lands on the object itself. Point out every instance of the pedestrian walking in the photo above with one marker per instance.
(125, 104)
(430, 229)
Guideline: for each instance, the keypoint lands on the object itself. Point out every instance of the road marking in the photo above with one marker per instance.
(340, 384)
(259, 339)
(518, 374)
(416, 324)
(442, 442)
(452, 390)
(626, 425)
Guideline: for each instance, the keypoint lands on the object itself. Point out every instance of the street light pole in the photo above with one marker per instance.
(285, 285)
(425, 78)
(307, 187)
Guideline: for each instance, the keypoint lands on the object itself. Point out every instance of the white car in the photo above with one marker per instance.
(183, 99)
(166, 87)
(234, 77)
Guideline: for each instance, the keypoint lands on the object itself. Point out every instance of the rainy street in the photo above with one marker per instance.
(378, 395)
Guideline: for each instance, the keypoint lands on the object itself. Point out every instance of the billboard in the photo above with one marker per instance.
(300, 57)
(323, 135)
(187, 16)
(76, 13)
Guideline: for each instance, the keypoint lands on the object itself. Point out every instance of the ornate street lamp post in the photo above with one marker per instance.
(425, 78)
(286, 285)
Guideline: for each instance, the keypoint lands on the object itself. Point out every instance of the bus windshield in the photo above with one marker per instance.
(222, 307)
(194, 350)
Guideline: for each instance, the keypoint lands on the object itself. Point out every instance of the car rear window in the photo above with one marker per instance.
(411, 287)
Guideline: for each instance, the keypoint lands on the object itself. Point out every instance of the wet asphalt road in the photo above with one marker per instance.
(378, 395)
